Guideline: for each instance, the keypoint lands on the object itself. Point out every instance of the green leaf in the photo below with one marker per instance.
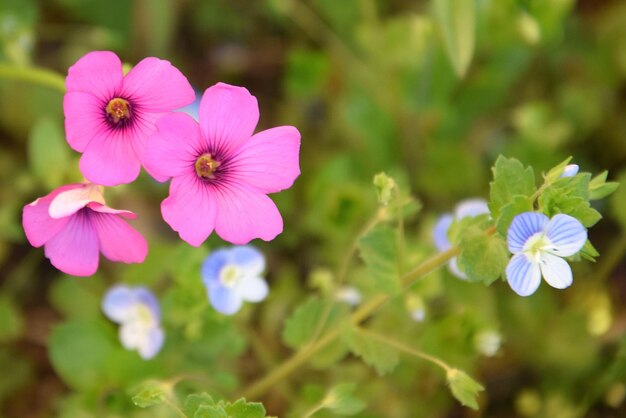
(384, 185)
(194, 401)
(48, 153)
(589, 252)
(152, 393)
(373, 352)
(519, 204)
(556, 172)
(11, 324)
(243, 409)
(599, 188)
(457, 20)
(305, 321)
(510, 179)
(211, 411)
(378, 249)
(464, 388)
(341, 400)
(483, 257)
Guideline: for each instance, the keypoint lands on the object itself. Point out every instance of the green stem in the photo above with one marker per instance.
(262, 385)
(175, 408)
(34, 75)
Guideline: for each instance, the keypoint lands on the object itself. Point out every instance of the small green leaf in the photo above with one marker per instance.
(48, 153)
(464, 388)
(341, 400)
(305, 321)
(378, 249)
(243, 409)
(483, 258)
(519, 204)
(385, 186)
(194, 401)
(211, 411)
(589, 252)
(510, 179)
(151, 394)
(599, 188)
(373, 352)
(556, 172)
(457, 21)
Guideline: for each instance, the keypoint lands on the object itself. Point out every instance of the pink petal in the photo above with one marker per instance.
(269, 160)
(156, 85)
(97, 207)
(190, 209)
(98, 73)
(110, 159)
(39, 227)
(228, 116)
(84, 118)
(71, 201)
(143, 127)
(175, 148)
(74, 250)
(244, 214)
(118, 240)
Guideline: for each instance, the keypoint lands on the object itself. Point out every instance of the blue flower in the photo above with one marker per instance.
(537, 244)
(570, 170)
(465, 208)
(233, 275)
(138, 313)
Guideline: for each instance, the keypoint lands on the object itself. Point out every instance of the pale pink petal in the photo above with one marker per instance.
(269, 160)
(175, 147)
(71, 201)
(74, 250)
(97, 207)
(110, 160)
(157, 86)
(39, 227)
(118, 240)
(245, 213)
(84, 118)
(228, 116)
(190, 209)
(98, 72)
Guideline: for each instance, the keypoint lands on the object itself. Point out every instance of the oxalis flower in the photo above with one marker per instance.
(221, 172)
(74, 225)
(108, 116)
(465, 208)
(138, 313)
(538, 245)
(232, 276)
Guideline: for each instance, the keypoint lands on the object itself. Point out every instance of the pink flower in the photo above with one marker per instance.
(109, 116)
(73, 225)
(221, 172)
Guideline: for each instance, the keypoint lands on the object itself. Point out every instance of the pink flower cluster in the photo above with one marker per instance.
(220, 171)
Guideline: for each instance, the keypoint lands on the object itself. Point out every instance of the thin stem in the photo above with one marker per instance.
(34, 75)
(175, 408)
(405, 348)
(301, 356)
(314, 409)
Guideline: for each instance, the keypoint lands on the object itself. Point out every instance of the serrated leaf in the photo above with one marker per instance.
(555, 201)
(48, 153)
(483, 257)
(378, 249)
(243, 409)
(305, 321)
(211, 411)
(373, 352)
(457, 21)
(150, 394)
(510, 179)
(519, 204)
(464, 388)
(194, 401)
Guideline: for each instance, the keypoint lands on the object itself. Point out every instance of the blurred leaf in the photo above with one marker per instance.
(510, 178)
(151, 394)
(194, 401)
(618, 201)
(305, 321)
(307, 72)
(211, 411)
(16, 372)
(17, 37)
(341, 400)
(378, 249)
(11, 324)
(77, 298)
(384, 187)
(373, 352)
(464, 388)
(48, 153)
(483, 257)
(456, 20)
(243, 409)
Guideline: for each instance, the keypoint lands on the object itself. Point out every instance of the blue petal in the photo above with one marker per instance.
(523, 276)
(471, 207)
(249, 259)
(118, 303)
(224, 300)
(570, 170)
(152, 343)
(524, 226)
(252, 289)
(567, 234)
(144, 296)
(213, 264)
(440, 232)
(556, 271)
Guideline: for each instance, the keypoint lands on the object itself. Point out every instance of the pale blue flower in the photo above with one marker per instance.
(537, 244)
(232, 276)
(465, 208)
(138, 313)
(570, 170)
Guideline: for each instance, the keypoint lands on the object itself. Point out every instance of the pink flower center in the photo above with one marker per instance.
(206, 166)
(118, 111)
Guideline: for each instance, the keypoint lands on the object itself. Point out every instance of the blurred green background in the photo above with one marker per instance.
(373, 85)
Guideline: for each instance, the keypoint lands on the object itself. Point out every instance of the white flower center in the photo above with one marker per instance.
(536, 246)
(230, 275)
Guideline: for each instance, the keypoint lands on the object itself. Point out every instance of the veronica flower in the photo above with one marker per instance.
(221, 172)
(465, 208)
(138, 313)
(108, 116)
(538, 245)
(570, 170)
(74, 226)
(232, 276)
